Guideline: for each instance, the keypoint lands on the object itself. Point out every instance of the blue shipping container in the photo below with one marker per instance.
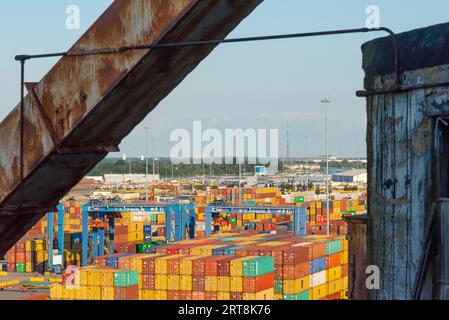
(318, 265)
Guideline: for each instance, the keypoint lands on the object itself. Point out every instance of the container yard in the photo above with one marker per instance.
(279, 190)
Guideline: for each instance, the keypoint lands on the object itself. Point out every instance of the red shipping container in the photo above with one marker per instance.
(260, 283)
(278, 272)
(173, 295)
(236, 296)
(10, 267)
(11, 257)
(20, 257)
(296, 255)
(124, 263)
(198, 266)
(173, 265)
(185, 295)
(224, 266)
(292, 272)
(121, 230)
(126, 293)
(198, 283)
(148, 282)
(20, 247)
(100, 261)
(318, 250)
(197, 295)
(148, 265)
(210, 296)
(212, 265)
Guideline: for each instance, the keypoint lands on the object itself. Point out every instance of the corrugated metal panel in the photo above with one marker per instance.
(93, 102)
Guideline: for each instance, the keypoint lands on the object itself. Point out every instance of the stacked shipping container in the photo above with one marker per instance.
(240, 266)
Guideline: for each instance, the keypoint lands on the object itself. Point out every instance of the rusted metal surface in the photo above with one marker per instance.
(93, 102)
(357, 256)
(402, 171)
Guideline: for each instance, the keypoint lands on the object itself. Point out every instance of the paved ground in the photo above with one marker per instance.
(17, 294)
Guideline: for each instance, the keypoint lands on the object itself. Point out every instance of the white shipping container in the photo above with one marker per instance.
(317, 279)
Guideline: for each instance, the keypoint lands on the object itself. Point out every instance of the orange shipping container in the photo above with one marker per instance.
(257, 284)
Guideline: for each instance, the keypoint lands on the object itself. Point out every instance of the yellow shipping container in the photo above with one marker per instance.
(334, 286)
(185, 265)
(236, 266)
(224, 296)
(84, 294)
(333, 273)
(93, 293)
(65, 293)
(262, 295)
(107, 278)
(224, 284)
(56, 291)
(236, 284)
(148, 295)
(344, 257)
(185, 283)
(173, 282)
(71, 293)
(107, 293)
(137, 262)
(161, 264)
(211, 283)
(161, 282)
(319, 292)
(160, 295)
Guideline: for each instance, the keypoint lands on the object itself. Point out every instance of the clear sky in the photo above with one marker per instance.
(257, 85)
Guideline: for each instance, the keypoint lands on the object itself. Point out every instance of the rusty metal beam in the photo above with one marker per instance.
(93, 102)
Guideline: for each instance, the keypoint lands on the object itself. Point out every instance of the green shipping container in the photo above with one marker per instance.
(258, 266)
(305, 295)
(333, 246)
(20, 267)
(125, 278)
(299, 199)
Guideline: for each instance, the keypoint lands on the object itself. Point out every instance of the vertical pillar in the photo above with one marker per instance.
(179, 213)
(50, 230)
(168, 224)
(111, 234)
(95, 242)
(85, 234)
(208, 220)
(61, 213)
(101, 237)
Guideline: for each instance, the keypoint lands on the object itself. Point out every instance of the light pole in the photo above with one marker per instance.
(152, 140)
(327, 101)
(307, 162)
(124, 168)
(146, 163)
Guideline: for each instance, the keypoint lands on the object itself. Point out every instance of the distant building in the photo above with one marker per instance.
(132, 178)
(352, 176)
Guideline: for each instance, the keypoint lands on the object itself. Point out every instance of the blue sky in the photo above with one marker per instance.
(257, 85)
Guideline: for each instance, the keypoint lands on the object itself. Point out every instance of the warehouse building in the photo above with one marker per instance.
(352, 176)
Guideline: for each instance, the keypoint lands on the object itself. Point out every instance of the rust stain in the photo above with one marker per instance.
(422, 137)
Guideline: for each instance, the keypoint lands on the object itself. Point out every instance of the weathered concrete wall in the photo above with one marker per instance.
(401, 160)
